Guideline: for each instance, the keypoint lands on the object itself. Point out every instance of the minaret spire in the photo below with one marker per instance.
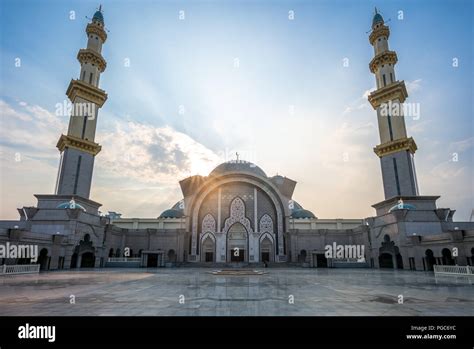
(78, 148)
(395, 150)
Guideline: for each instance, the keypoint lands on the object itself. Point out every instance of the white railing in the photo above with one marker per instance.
(19, 269)
(454, 270)
(457, 273)
(123, 259)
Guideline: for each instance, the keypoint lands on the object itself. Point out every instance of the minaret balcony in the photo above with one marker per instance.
(394, 91)
(78, 143)
(88, 92)
(383, 58)
(396, 146)
(96, 29)
(378, 32)
(86, 55)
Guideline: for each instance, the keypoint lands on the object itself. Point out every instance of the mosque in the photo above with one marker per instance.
(237, 214)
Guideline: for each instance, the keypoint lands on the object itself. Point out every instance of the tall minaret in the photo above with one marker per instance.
(78, 148)
(395, 150)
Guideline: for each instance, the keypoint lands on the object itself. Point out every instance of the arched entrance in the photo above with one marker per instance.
(208, 248)
(386, 261)
(43, 259)
(237, 243)
(302, 256)
(266, 249)
(172, 256)
(447, 258)
(87, 260)
(430, 260)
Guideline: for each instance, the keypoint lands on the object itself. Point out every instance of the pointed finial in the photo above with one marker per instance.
(376, 10)
(237, 155)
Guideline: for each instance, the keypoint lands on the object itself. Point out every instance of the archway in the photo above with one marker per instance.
(87, 260)
(302, 256)
(172, 256)
(208, 248)
(266, 249)
(237, 243)
(385, 260)
(43, 259)
(447, 258)
(430, 259)
(399, 261)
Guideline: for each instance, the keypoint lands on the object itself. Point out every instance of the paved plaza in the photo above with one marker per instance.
(195, 292)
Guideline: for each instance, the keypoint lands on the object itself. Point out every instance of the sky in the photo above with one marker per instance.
(284, 83)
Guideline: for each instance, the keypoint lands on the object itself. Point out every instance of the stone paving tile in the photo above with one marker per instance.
(155, 292)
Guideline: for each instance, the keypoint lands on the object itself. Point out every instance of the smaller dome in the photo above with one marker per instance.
(172, 213)
(377, 19)
(295, 206)
(302, 213)
(98, 17)
(402, 206)
(178, 206)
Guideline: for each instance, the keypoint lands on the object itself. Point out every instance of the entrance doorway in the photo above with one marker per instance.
(237, 243)
(385, 260)
(266, 249)
(208, 247)
(87, 260)
(152, 261)
(209, 257)
(237, 255)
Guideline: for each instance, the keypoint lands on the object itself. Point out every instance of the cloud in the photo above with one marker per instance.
(461, 146)
(359, 103)
(413, 86)
(419, 126)
(149, 154)
(138, 162)
(368, 92)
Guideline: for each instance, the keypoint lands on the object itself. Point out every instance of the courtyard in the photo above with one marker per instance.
(199, 292)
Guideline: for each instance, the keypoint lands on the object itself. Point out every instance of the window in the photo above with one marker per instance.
(384, 80)
(84, 127)
(90, 78)
(391, 77)
(389, 119)
(84, 75)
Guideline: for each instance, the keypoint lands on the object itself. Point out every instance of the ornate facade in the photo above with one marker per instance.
(238, 214)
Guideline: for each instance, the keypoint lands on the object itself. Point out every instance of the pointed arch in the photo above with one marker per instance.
(266, 224)
(208, 247)
(237, 215)
(208, 224)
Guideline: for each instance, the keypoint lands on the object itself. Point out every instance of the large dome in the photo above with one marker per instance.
(237, 166)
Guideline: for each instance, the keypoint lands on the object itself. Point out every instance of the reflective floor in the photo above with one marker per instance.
(194, 292)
